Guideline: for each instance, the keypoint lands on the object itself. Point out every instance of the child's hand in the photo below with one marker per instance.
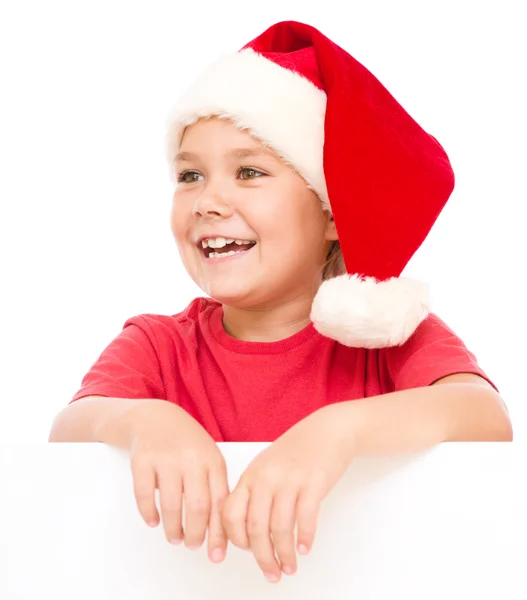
(284, 486)
(171, 451)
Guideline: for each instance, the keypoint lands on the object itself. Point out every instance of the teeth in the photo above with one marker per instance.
(221, 242)
(223, 254)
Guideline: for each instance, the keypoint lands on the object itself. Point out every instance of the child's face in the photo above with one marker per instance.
(231, 186)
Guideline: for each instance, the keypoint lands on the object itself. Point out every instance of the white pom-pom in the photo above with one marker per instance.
(366, 313)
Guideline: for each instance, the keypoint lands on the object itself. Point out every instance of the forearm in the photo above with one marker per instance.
(416, 419)
(100, 419)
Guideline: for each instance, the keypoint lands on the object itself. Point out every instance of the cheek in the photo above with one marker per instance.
(178, 222)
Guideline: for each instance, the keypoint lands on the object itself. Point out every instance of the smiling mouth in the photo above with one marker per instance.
(227, 250)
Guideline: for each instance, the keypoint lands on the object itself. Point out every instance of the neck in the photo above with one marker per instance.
(268, 324)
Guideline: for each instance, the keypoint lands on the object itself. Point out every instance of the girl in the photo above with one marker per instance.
(302, 190)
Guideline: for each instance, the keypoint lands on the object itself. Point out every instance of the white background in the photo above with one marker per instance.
(85, 194)
(425, 525)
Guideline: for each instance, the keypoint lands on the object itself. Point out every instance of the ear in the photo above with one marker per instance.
(331, 230)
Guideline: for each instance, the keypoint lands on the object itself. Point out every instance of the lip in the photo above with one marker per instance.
(215, 261)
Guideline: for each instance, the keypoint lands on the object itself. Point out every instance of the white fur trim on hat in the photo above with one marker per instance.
(364, 313)
(279, 107)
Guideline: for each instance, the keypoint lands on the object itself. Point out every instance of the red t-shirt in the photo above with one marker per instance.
(254, 391)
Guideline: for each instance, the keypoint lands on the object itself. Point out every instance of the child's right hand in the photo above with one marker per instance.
(170, 451)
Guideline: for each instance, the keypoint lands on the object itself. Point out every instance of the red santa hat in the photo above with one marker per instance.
(384, 179)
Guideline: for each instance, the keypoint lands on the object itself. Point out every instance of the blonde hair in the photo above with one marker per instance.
(334, 264)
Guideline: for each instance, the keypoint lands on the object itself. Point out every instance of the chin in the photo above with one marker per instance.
(232, 296)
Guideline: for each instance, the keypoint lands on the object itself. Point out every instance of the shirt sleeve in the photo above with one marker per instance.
(127, 368)
(434, 351)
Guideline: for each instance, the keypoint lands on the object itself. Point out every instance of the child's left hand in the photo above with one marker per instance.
(285, 485)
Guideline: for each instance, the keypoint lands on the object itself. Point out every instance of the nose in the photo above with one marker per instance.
(211, 203)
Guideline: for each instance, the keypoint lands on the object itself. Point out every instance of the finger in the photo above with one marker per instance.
(234, 516)
(171, 501)
(259, 534)
(144, 478)
(219, 491)
(197, 507)
(283, 530)
(307, 511)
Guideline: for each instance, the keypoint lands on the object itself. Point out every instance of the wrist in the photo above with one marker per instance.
(340, 421)
(121, 426)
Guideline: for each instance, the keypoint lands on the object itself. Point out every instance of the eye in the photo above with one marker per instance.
(188, 177)
(249, 173)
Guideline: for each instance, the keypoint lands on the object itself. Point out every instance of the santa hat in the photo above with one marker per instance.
(384, 179)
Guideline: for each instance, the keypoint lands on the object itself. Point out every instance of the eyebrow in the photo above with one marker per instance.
(236, 153)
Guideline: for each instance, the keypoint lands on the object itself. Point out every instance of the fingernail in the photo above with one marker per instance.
(287, 570)
(152, 523)
(194, 547)
(175, 541)
(271, 577)
(217, 554)
(303, 549)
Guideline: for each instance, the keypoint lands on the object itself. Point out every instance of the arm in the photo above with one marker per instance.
(286, 483)
(124, 381)
(461, 407)
(107, 420)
